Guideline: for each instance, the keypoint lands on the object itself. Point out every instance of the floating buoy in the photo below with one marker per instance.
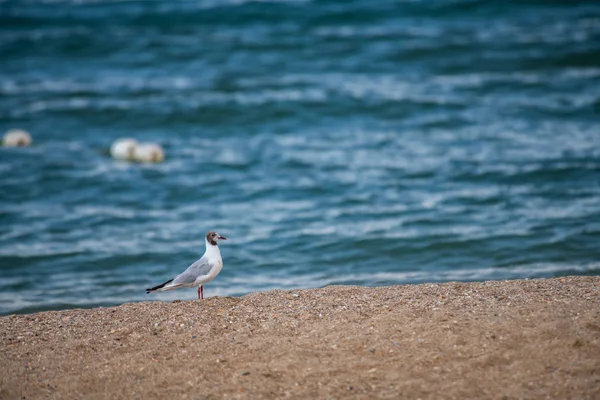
(148, 152)
(123, 149)
(16, 138)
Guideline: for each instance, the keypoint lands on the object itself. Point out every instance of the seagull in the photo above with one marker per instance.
(202, 271)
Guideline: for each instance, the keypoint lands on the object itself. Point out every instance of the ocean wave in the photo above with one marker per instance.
(332, 143)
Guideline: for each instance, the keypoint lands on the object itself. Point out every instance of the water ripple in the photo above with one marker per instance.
(332, 143)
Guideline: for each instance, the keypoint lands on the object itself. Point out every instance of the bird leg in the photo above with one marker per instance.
(201, 293)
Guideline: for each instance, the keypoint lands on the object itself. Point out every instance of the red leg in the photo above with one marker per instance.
(201, 293)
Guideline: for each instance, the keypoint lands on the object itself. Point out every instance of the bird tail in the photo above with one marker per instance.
(158, 287)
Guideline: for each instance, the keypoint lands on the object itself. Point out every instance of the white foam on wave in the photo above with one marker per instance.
(99, 85)
(277, 281)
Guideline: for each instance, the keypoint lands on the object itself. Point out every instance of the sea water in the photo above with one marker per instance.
(332, 143)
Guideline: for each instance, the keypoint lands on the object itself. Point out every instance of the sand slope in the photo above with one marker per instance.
(503, 339)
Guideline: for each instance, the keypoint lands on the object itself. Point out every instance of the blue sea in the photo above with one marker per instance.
(332, 142)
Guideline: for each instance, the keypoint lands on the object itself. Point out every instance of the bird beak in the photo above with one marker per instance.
(221, 237)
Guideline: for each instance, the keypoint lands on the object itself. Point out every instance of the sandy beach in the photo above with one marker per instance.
(523, 339)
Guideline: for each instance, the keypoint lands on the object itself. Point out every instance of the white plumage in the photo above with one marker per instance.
(202, 271)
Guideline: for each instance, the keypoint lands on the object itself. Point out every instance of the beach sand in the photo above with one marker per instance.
(529, 339)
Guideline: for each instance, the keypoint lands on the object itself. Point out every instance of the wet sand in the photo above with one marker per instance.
(529, 339)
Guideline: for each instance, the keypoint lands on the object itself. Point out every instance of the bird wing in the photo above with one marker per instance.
(199, 268)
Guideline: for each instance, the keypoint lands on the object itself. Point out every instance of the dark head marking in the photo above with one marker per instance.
(212, 237)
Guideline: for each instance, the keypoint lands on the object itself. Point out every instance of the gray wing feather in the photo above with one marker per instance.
(199, 268)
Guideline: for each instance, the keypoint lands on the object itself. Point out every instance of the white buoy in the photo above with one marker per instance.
(148, 152)
(123, 149)
(16, 138)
